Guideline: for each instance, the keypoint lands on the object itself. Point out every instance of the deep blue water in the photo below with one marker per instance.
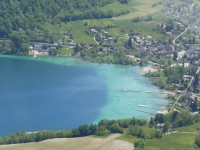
(37, 95)
(59, 93)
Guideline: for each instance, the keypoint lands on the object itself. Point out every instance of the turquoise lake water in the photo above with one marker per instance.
(59, 93)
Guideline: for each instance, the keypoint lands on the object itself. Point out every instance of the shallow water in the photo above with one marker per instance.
(59, 93)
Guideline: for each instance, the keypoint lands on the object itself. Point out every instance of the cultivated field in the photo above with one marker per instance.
(84, 143)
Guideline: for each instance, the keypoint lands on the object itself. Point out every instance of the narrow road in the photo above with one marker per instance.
(192, 7)
(174, 41)
(184, 91)
(64, 45)
(96, 41)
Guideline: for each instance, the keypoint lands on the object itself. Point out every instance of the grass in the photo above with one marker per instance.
(191, 128)
(169, 142)
(116, 7)
(144, 27)
(65, 51)
(159, 17)
(140, 8)
(78, 29)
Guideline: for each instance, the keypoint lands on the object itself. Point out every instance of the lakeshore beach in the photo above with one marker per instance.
(147, 69)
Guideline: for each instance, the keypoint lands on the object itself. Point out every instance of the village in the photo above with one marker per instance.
(178, 47)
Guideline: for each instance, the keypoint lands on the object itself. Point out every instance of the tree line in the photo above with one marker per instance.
(103, 128)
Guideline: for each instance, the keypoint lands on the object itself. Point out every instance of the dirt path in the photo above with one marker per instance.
(84, 143)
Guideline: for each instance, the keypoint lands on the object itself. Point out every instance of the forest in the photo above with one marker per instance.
(22, 18)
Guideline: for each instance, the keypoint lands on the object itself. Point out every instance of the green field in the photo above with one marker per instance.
(192, 128)
(78, 29)
(141, 8)
(65, 51)
(144, 27)
(168, 142)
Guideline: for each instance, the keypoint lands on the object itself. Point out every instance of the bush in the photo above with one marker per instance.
(139, 144)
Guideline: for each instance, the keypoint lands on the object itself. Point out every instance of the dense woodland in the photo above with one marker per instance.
(22, 18)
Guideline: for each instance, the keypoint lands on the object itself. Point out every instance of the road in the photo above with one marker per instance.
(192, 7)
(96, 41)
(64, 45)
(174, 41)
(184, 91)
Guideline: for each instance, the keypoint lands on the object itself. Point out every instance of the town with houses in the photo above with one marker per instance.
(180, 41)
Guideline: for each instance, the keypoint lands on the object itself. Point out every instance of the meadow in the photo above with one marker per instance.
(136, 8)
(141, 8)
(168, 142)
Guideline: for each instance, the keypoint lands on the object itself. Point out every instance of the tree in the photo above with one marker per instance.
(139, 144)
(194, 106)
(102, 131)
(149, 17)
(130, 42)
(151, 122)
(197, 140)
(115, 128)
(166, 126)
(84, 130)
(158, 134)
(76, 49)
(159, 118)
(115, 40)
(175, 56)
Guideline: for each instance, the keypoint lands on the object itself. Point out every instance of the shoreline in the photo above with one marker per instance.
(147, 69)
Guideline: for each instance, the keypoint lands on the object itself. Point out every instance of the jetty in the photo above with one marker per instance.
(126, 90)
(146, 112)
(150, 107)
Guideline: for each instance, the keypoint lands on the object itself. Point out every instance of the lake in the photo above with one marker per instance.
(51, 93)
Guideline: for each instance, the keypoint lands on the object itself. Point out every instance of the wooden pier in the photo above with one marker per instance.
(126, 90)
(146, 112)
(150, 107)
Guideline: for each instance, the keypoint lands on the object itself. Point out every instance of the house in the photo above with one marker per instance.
(40, 34)
(37, 46)
(54, 48)
(105, 49)
(69, 40)
(159, 125)
(126, 50)
(149, 37)
(103, 31)
(113, 48)
(169, 33)
(110, 38)
(60, 41)
(154, 41)
(20, 30)
(93, 30)
(184, 105)
(102, 37)
(188, 95)
(66, 33)
(192, 52)
(148, 43)
(152, 49)
(87, 47)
